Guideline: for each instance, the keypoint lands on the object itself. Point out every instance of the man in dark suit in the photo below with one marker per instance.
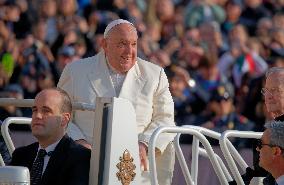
(274, 102)
(271, 149)
(63, 161)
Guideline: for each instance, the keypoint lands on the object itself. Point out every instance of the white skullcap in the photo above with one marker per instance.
(114, 23)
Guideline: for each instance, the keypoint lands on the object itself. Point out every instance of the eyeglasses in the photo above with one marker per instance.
(259, 144)
(271, 91)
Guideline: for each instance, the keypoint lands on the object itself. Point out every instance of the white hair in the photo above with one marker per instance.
(277, 133)
(273, 70)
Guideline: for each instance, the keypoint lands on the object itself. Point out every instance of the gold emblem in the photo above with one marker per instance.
(126, 168)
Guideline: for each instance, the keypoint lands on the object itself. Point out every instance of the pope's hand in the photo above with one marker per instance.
(143, 156)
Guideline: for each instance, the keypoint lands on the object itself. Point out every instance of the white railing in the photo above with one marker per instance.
(2, 163)
(30, 102)
(16, 102)
(196, 151)
(184, 130)
(5, 130)
(232, 151)
(230, 158)
(14, 175)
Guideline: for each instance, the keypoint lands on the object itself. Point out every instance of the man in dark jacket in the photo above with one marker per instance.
(271, 148)
(274, 101)
(273, 92)
(55, 159)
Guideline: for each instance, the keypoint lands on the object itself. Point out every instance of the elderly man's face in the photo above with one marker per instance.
(274, 95)
(120, 47)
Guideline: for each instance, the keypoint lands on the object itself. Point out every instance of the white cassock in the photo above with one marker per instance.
(145, 86)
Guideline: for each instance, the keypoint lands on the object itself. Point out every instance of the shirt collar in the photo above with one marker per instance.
(280, 180)
(49, 148)
(112, 70)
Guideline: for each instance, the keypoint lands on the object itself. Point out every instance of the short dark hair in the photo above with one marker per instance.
(66, 104)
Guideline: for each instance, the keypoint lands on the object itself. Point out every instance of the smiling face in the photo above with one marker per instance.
(120, 47)
(274, 98)
(48, 121)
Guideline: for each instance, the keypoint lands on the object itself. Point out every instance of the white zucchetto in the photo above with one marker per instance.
(114, 23)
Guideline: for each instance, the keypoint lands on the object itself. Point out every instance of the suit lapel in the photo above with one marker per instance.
(133, 84)
(32, 156)
(56, 160)
(101, 82)
(100, 78)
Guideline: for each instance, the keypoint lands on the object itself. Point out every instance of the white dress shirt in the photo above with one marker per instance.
(48, 150)
(117, 79)
(280, 180)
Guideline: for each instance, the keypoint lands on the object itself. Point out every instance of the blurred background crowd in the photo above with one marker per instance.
(215, 52)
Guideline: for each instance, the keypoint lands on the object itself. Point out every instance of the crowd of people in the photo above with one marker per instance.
(215, 52)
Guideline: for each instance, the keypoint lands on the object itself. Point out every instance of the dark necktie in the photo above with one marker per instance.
(37, 167)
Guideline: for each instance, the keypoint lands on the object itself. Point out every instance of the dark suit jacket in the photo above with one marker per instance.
(258, 171)
(269, 179)
(69, 163)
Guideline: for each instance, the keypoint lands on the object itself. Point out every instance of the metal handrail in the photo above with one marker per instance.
(224, 147)
(30, 102)
(195, 147)
(183, 130)
(182, 162)
(2, 163)
(14, 175)
(216, 135)
(5, 130)
(224, 168)
(203, 153)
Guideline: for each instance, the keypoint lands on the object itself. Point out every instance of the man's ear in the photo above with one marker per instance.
(65, 119)
(277, 151)
(104, 44)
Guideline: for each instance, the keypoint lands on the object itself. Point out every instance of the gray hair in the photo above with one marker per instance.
(277, 133)
(66, 104)
(273, 70)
